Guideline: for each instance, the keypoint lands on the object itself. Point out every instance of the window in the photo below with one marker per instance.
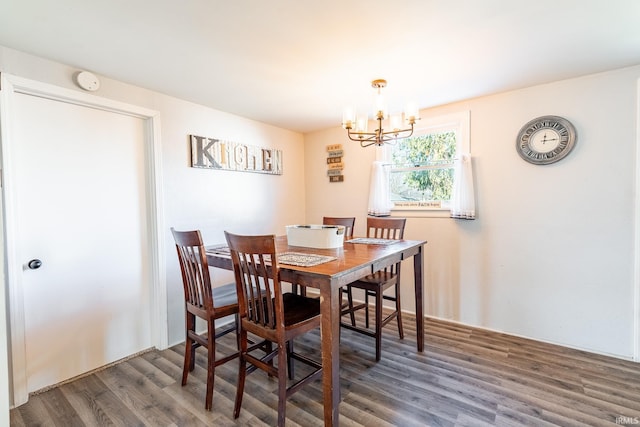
(422, 166)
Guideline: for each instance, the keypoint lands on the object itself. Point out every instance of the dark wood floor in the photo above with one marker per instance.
(465, 377)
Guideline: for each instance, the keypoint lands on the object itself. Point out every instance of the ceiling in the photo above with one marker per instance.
(296, 63)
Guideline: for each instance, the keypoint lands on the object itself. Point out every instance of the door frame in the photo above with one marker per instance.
(11, 85)
(636, 248)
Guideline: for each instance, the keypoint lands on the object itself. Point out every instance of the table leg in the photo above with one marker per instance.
(417, 271)
(330, 333)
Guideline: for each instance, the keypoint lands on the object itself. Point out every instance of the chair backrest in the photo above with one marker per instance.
(257, 274)
(348, 223)
(385, 228)
(194, 268)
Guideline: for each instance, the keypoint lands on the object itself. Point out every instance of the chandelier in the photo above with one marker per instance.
(356, 126)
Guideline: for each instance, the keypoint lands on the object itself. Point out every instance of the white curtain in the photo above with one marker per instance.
(379, 203)
(463, 203)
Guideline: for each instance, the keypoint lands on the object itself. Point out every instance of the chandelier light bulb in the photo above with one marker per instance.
(395, 122)
(362, 123)
(411, 113)
(348, 117)
(379, 104)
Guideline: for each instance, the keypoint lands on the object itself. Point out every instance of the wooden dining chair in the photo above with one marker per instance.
(205, 302)
(375, 284)
(349, 224)
(270, 314)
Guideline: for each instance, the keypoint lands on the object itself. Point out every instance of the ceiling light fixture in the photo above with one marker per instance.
(356, 126)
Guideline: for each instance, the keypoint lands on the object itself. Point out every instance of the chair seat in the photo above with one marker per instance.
(298, 308)
(225, 295)
(376, 280)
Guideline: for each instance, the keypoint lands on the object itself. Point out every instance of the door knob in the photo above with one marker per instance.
(34, 264)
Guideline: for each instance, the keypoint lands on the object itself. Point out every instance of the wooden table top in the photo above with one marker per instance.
(349, 257)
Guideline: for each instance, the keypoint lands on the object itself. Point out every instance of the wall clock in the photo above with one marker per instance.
(546, 140)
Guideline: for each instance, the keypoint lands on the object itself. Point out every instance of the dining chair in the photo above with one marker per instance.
(375, 284)
(349, 224)
(203, 301)
(270, 314)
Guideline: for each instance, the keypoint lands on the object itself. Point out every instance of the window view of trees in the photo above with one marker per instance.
(422, 168)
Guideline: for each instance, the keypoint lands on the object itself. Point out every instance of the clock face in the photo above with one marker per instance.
(546, 140)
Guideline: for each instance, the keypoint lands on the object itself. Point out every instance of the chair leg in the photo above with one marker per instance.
(269, 349)
(378, 324)
(237, 316)
(290, 359)
(189, 350)
(350, 302)
(211, 361)
(242, 373)
(282, 385)
(187, 361)
(399, 312)
(366, 309)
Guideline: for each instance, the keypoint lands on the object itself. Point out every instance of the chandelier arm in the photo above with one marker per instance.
(367, 145)
(397, 133)
(361, 136)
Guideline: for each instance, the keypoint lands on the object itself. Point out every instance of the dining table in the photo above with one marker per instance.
(355, 259)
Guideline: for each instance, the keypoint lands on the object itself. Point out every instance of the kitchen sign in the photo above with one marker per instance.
(211, 153)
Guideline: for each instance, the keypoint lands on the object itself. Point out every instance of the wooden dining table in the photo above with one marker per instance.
(352, 262)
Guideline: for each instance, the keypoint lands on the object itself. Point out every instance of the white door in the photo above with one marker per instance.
(80, 210)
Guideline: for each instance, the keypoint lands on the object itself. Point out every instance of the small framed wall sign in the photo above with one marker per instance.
(335, 165)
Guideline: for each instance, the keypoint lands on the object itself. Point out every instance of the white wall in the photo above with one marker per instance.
(212, 201)
(551, 253)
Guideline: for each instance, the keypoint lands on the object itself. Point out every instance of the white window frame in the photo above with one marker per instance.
(458, 122)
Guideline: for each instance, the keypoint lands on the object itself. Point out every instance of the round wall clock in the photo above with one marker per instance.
(545, 140)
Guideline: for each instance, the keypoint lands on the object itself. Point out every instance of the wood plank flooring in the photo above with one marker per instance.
(465, 377)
